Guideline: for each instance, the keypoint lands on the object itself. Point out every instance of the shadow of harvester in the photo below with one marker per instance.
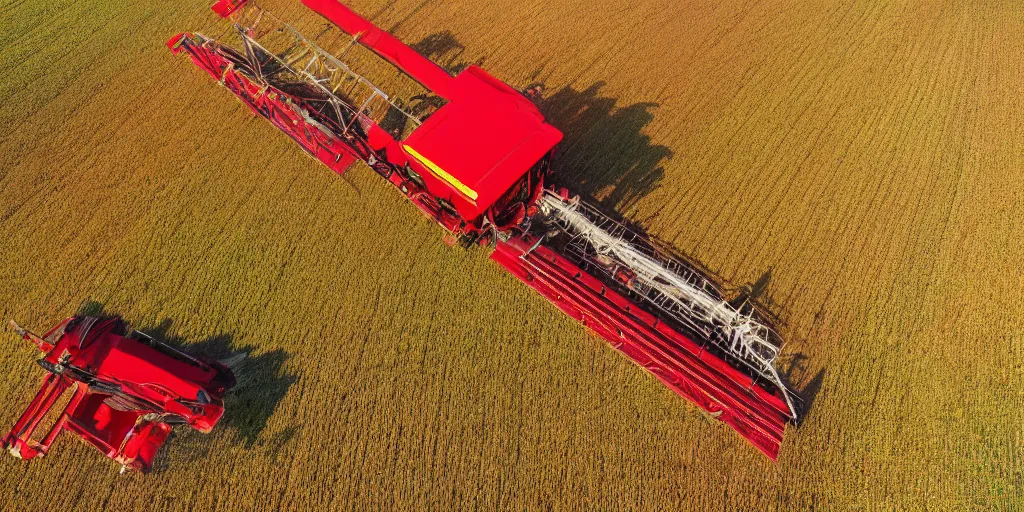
(606, 157)
(794, 368)
(262, 384)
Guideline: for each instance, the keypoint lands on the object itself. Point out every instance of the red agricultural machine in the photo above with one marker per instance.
(474, 155)
(127, 391)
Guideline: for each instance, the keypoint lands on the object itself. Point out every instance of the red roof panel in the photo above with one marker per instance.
(484, 140)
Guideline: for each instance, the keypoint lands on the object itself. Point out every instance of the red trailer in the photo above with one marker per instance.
(127, 391)
(474, 154)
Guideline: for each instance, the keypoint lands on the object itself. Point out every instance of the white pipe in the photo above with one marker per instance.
(747, 338)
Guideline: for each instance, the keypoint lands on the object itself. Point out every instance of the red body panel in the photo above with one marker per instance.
(124, 388)
(673, 358)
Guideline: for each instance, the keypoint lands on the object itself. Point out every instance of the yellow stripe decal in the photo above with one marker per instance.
(439, 172)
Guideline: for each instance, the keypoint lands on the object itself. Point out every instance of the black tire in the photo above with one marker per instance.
(53, 368)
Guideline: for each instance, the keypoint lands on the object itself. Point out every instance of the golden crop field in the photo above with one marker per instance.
(868, 154)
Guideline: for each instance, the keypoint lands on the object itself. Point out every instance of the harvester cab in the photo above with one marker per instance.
(127, 391)
(481, 144)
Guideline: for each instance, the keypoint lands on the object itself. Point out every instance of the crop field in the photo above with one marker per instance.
(865, 159)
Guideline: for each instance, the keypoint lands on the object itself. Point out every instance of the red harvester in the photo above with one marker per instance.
(473, 154)
(128, 390)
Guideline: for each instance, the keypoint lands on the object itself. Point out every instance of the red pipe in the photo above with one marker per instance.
(52, 387)
(422, 69)
(76, 399)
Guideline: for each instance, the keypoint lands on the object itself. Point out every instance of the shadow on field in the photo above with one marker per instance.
(606, 157)
(445, 50)
(262, 382)
(794, 368)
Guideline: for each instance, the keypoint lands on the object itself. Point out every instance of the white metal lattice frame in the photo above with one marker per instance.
(745, 338)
